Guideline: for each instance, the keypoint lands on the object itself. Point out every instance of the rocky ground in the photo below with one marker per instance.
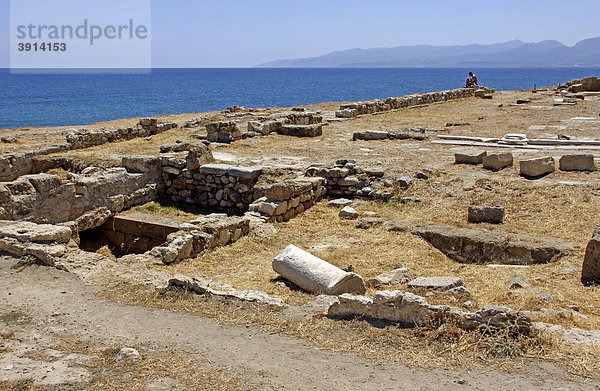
(58, 334)
(61, 333)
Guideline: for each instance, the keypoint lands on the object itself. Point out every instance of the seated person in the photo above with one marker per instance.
(473, 79)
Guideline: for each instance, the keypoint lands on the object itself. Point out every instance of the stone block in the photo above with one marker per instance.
(376, 135)
(403, 182)
(441, 283)
(577, 163)
(43, 183)
(339, 202)
(281, 191)
(482, 246)
(141, 164)
(486, 214)
(394, 277)
(349, 213)
(460, 158)
(590, 272)
(25, 231)
(314, 130)
(497, 162)
(535, 168)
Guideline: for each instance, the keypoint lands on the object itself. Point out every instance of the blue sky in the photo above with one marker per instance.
(235, 33)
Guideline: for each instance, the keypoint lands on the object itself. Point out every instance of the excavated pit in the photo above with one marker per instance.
(130, 233)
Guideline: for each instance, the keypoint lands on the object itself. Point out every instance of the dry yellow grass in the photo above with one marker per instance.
(155, 365)
(424, 347)
(247, 263)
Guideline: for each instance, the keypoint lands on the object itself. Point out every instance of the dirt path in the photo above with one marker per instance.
(61, 306)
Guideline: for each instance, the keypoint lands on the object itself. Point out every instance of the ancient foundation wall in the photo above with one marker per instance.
(16, 164)
(287, 199)
(215, 186)
(371, 107)
(347, 180)
(87, 198)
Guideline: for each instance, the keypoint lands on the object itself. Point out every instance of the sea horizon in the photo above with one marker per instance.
(78, 97)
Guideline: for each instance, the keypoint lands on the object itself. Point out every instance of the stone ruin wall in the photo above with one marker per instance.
(287, 199)
(86, 198)
(215, 186)
(347, 180)
(14, 165)
(582, 85)
(351, 110)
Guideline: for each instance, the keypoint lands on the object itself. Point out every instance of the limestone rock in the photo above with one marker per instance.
(486, 214)
(141, 164)
(30, 232)
(403, 182)
(572, 335)
(197, 156)
(394, 277)
(497, 162)
(44, 183)
(281, 191)
(590, 272)
(460, 291)
(349, 213)
(577, 163)
(208, 287)
(223, 132)
(314, 130)
(535, 168)
(461, 158)
(484, 246)
(128, 356)
(517, 281)
(411, 310)
(441, 283)
(375, 172)
(339, 202)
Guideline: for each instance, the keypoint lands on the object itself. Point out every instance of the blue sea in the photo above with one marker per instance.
(79, 99)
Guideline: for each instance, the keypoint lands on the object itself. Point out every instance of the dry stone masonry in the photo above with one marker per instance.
(85, 138)
(352, 110)
(45, 198)
(348, 180)
(219, 186)
(202, 234)
(411, 310)
(223, 132)
(577, 163)
(14, 165)
(287, 199)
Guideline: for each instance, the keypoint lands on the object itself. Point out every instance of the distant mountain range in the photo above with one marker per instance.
(507, 54)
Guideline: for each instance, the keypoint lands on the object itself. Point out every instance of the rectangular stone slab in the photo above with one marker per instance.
(482, 246)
